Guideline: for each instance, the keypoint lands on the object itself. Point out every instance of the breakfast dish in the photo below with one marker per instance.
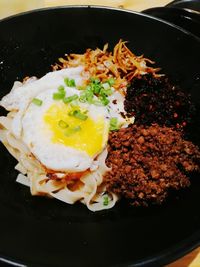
(102, 125)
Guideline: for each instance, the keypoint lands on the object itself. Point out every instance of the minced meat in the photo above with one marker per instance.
(148, 161)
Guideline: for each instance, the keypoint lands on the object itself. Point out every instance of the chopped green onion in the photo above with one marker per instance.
(70, 98)
(114, 124)
(89, 98)
(62, 124)
(82, 98)
(73, 130)
(59, 95)
(74, 104)
(76, 128)
(77, 114)
(87, 95)
(81, 88)
(108, 92)
(37, 101)
(111, 81)
(71, 113)
(70, 82)
(96, 103)
(105, 200)
(96, 88)
(106, 86)
(94, 80)
(61, 88)
(88, 88)
(80, 116)
(105, 101)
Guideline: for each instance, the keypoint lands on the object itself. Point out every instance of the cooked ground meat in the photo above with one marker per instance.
(149, 161)
(156, 100)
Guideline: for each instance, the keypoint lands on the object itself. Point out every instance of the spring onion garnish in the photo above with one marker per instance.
(104, 100)
(82, 98)
(73, 130)
(37, 101)
(61, 88)
(106, 86)
(94, 80)
(70, 82)
(108, 92)
(114, 124)
(78, 114)
(70, 98)
(111, 81)
(105, 200)
(80, 88)
(87, 95)
(77, 128)
(98, 89)
(97, 103)
(60, 94)
(62, 124)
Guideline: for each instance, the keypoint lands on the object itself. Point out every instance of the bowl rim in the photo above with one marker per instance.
(43, 9)
(165, 256)
(193, 16)
(181, 11)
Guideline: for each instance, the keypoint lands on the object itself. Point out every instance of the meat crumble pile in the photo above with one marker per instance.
(151, 158)
(148, 161)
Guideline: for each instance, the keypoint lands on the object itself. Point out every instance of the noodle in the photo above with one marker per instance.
(35, 177)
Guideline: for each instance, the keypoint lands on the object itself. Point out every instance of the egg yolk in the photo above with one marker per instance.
(83, 134)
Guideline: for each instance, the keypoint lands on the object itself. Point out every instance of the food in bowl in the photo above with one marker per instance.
(92, 130)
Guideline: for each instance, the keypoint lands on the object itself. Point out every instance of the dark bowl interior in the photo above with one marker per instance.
(180, 17)
(42, 232)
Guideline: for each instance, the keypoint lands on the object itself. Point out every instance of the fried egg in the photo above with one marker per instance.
(62, 136)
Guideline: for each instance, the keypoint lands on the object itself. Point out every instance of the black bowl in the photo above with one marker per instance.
(187, 20)
(41, 232)
(188, 4)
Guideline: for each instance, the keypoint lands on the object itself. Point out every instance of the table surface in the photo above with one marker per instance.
(14, 6)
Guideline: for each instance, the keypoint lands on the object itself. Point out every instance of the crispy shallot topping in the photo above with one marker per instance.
(120, 64)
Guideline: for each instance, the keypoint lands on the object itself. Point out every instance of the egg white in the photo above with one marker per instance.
(21, 95)
(38, 137)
